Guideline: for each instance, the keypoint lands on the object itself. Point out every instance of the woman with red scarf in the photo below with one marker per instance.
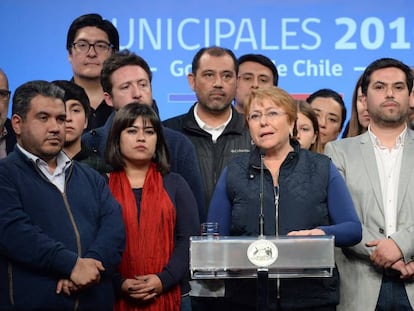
(159, 211)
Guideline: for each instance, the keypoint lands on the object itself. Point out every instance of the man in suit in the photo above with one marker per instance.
(378, 273)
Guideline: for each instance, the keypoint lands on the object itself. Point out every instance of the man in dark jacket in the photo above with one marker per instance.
(61, 231)
(218, 133)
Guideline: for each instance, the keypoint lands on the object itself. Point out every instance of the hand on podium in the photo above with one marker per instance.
(306, 232)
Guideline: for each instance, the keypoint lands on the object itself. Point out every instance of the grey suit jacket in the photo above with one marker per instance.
(355, 159)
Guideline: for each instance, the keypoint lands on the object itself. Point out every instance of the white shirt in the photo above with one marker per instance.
(215, 132)
(58, 176)
(389, 166)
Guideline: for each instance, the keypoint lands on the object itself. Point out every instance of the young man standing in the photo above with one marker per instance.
(378, 273)
(255, 70)
(77, 112)
(90, 41)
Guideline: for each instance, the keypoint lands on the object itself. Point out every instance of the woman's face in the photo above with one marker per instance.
(269, 125)
(363, 115)
(138, 142)
(306, 134)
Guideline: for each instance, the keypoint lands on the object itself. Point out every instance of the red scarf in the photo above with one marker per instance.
(149, 242)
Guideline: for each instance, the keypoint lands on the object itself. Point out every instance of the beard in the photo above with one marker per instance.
(388, 120)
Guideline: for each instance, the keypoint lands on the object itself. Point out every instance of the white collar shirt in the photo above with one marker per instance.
(58, 176)
(215, 132)
(389, 166)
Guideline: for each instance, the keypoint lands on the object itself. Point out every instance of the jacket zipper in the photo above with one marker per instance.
(77, 235)
(72, 219)
(276, 194)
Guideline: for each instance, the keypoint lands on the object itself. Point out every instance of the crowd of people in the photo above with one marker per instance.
(99, 197)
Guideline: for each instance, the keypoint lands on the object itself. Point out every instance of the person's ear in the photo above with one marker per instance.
(16, 122)
(108, 99)
(191, 80)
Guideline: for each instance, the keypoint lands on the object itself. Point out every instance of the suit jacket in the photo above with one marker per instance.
(355, 159)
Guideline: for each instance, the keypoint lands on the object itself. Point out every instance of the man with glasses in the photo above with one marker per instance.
(90, 41)
(255, 70)
(7, 137)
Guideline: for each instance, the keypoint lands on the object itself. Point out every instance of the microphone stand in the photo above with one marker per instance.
(261, 195)
(262, 273)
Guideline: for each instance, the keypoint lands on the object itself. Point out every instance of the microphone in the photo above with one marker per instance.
(261, 197)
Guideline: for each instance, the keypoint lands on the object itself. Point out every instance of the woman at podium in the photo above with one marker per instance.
(280, 189)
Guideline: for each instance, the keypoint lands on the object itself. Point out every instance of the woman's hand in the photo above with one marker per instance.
(307, 232)
(142, 288)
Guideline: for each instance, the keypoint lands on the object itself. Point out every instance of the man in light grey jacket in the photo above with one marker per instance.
(378, 273)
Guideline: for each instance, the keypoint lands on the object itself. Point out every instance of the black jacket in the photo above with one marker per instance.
(213, 157)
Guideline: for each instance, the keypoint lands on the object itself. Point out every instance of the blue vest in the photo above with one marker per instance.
(302, 191)
(303, 184)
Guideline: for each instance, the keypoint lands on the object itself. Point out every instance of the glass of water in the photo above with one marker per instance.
(210, 229)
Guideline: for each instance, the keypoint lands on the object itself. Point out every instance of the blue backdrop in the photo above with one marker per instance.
(314, 43)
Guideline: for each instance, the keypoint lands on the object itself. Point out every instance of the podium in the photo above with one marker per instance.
(241, 257)
(261, 258)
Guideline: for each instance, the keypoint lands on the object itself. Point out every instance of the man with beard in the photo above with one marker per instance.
(216, 129)
(411, 114)
(377, 167)
(218, 133)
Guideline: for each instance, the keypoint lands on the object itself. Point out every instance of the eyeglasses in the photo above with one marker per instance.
(4, 94)
(270, 115)
(84, 46)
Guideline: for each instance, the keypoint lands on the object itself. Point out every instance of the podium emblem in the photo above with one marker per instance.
(262, 253)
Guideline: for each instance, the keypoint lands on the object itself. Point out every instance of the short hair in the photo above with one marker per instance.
(306, 109)
(24, 94)
(329, 93)
(262, 60)
(386, 63)
(124, 118)
(93, 20)
(278, 96)
(75, 92)
(213, 51)
(118, 60)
